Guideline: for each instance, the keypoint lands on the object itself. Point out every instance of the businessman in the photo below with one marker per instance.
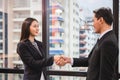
(102, 59)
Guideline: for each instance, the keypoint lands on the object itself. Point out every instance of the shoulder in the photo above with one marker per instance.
(20, 47)
(110, 39)
(109, 44)
(23, 43)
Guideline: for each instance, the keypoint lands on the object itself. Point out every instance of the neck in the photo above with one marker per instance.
(31, 38)
(104, 28)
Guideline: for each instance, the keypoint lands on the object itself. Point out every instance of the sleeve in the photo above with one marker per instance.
(77, 62)
(108, 58)
(30, 61)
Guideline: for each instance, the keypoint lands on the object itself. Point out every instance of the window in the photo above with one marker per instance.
(1, 36)
(1, 46)
(79, 36)
(0, 25)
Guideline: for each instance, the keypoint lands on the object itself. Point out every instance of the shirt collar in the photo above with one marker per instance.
(101, 35)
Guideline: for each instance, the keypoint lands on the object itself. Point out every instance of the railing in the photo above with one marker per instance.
(67, 73)
(50, 72)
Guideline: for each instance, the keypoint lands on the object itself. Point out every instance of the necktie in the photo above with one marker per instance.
(97, 43)
(98, 40)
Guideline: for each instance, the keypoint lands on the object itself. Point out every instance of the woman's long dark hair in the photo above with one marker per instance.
(25, 30)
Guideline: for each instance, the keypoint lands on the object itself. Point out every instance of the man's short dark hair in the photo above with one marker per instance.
(106, 13)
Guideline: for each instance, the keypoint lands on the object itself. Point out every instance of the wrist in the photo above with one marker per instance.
(69, 60)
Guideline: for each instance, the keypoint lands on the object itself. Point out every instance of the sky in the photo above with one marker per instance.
(94, 4)
(90, 5)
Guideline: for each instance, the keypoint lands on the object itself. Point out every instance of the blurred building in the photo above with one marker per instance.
(17, 12)
(87, 35)
(12, 14)
(64, 32)
(56, 29)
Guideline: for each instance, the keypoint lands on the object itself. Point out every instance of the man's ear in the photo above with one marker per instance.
(101, 20)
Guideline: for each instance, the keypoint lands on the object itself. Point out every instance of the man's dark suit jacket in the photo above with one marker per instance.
(102, 59)
(34, 63)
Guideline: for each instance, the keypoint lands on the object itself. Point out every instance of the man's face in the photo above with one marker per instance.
(96, 24)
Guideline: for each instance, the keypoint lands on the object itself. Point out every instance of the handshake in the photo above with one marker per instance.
(61, 60)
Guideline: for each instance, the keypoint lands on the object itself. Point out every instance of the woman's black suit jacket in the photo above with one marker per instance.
(34, 63)
(102, 59)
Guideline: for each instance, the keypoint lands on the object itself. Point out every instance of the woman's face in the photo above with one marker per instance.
(34, 28)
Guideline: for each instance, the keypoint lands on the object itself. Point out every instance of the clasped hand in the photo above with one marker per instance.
(61, 60)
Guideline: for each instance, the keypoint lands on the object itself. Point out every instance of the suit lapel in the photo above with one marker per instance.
(40, 48)
(96, 46)
(100, 41)
(33, 48)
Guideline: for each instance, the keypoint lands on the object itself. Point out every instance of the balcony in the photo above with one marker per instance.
(54, 51)
(83, 48)
(56, 30)
(83, 42)
(56, 41)
(82, 36)
(21, 9)
(85, 27)
(57, 18)
(21, 14)
(17, 30)
(21, 4)
(56, 5)
(18, 19)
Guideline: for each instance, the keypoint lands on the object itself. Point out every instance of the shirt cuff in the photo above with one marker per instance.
(72, 60)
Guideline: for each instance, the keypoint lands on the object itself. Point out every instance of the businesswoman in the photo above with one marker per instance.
(31, 52)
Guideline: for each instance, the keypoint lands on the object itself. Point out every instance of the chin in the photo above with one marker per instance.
(96, 31)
